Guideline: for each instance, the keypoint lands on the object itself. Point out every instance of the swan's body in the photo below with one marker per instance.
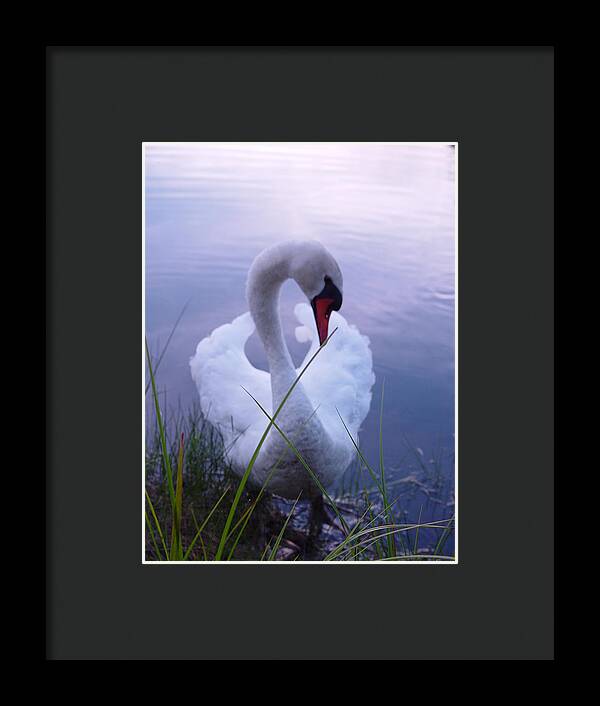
(339, 379)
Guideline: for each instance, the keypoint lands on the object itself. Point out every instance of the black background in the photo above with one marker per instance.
(497, 603)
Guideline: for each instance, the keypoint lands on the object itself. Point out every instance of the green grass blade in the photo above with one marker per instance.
(199, 536)
(350, 537)
(391, 541)
(164, 350)
(152, 537)
(199, 529)
(357, 529)
(258, 497)
(157, 523)
(243, 521)
(444, 537)
(378, 545)
(266, 549)
(360, 453)
(416, 545)
(391, 530)
(250, 466)
(273, 553)
(303, 462)
(176, 548)
(161, 431)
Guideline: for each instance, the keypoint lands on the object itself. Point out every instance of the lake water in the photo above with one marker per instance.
(386, 213)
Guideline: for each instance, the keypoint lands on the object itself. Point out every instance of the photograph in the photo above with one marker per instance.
(299, 350)
(319, 283)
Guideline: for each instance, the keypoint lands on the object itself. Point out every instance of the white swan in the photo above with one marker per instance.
(340, 377)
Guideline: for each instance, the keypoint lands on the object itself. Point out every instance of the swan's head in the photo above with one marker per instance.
(319, 276)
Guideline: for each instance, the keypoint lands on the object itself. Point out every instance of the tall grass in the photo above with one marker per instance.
(193, 476)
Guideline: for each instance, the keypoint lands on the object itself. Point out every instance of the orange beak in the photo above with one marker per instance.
(330, 299)
(322, 309)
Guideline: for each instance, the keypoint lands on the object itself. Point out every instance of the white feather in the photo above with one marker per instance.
(339, 379)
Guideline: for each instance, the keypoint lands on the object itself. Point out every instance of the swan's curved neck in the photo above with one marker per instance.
(268, 272)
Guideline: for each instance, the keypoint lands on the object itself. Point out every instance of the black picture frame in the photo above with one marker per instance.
(498, 104)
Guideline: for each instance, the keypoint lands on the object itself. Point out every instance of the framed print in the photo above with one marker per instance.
(300, 314)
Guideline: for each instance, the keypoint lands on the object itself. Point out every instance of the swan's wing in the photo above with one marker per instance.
(220, 369)
(341, 376)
